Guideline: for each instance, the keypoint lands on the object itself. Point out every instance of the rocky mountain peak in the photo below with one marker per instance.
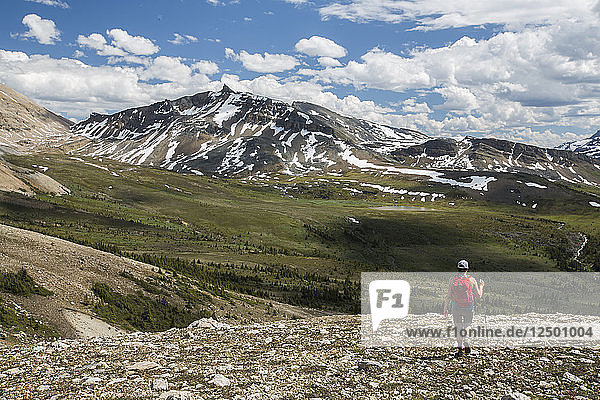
(229, 133)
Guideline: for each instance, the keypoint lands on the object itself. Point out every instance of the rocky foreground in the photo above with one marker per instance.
(301, 359)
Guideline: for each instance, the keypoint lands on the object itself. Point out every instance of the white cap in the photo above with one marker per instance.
(463, 264)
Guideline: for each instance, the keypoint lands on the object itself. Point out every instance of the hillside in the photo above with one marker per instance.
(27, 180)
(70, 272)
(316, 358)
(26, 126)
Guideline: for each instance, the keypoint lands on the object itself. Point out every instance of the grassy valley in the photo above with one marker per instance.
(301, 240)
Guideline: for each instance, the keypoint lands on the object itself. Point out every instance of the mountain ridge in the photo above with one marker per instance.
(589, 146)
(228, 133)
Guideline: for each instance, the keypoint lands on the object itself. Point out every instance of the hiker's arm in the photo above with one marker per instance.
(478, 288)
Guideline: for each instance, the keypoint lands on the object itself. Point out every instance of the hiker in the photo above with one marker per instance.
(460, 291)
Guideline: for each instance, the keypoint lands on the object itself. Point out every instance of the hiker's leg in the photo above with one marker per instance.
(458, 324)
(468, 319)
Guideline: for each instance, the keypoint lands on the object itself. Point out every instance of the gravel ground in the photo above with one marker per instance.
(301, 359)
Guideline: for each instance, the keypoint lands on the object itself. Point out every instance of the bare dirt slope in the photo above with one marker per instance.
(27, 181)
(70, 270)
(26, 126)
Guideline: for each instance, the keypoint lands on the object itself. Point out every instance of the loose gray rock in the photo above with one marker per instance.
(516, 396)
(160, 385)
(367, 365)
(573, 378)
(220, 380)
(177, 395)
(144, 366)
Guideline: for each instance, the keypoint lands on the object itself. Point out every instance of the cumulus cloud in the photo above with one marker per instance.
(457, 99)
(318, 46)
(378, 70)
(42, 30)
(168, 69)
(122, 45)
(436, 14)
(96, 41)
(534, 77)
(53, 3)
(206, 67)
(138, 45)
(329, 62)
(411, 106)
(74, 88)
(266, 63)
(183, 39)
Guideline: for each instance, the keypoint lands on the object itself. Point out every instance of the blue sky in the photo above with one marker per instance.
(526, 71)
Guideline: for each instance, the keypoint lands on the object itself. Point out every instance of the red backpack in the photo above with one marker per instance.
(462, 291)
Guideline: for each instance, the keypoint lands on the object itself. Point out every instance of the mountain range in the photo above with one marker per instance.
(228, 133)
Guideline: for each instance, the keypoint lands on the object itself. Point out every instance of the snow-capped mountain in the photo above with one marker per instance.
(228, 133)
(482, 154)
(589, 146)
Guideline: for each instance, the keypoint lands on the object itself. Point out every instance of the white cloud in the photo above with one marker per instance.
(42, 30)
(182, 39)
(53, 3)
(320, 46)
(443, 14)
(138, 45)
(267, 63)
(411, 106)
(97, 42)
(78, 54)
(329, 62)
(74, 88)
(206, 67)
(379, 70)
(534, 77)
(457, 99)
(167, 69)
